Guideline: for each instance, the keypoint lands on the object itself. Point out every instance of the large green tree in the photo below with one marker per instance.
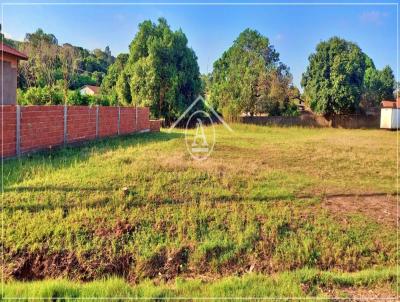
(249, 78)
(340, 75)
(161, 72)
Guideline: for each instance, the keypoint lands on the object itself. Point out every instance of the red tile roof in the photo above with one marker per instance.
(390, 104)
(4, 48)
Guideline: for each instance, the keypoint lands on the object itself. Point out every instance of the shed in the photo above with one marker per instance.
(390, 114)
(9, 58)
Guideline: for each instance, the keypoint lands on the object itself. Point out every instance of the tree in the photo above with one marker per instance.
(333, 81)
(123, 89)
(114, 71)
(68, 56)
(40, 68)
(341, 78)
(249, 78)
(378, 86)
(40, 36)
(162, 71)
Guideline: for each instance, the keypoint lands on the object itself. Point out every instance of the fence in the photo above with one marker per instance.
(311, 120)
(31, 128)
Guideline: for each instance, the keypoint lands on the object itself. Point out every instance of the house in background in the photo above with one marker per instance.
(9, 58)
(90, 90)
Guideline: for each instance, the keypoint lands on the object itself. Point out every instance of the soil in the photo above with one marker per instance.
(382, 208)
(383, 293)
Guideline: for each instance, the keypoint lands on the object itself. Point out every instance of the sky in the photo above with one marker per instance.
(294, 30)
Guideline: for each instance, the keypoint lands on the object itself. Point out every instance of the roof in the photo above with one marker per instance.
(95, 89)
(4, 48)
(390, 104)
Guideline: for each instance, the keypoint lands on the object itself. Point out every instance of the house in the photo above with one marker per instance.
(9, 58)
(90, 90)
(390, 114)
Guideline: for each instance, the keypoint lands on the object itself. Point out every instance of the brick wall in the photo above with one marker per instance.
(155, 126)
(42, 127)
(9, 128)
(127, 120)
(143, 119)
(81, 123)
(109, 121)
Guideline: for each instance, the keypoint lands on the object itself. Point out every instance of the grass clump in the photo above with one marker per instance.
(297, 284)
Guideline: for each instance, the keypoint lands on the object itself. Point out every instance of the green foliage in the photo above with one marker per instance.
(113, 72)
(55, 96)
(161, 71)
(40, 36)
(378, 85)
(340, 75)
(123, 90)
(40, 96)
(333, 80)
(249, 78)
(49, 62)
(76, 98)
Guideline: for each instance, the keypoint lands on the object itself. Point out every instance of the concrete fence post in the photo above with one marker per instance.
(65, 124)
(97, 121)
(119, 118)
(18, 130)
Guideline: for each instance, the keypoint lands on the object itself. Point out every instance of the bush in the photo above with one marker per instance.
(290, 110)
(40, 96)
(55, 96)
(76, 98)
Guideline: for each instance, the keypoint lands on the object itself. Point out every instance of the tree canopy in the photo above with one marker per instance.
(339, 75)
(161, 71)
(249, 78)
(48, 62)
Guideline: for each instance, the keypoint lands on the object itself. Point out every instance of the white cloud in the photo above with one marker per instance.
(373, 17)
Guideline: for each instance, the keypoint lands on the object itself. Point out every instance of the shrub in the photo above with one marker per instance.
(40, 96)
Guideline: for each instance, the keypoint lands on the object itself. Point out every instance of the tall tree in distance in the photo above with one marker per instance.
(340, 76)
(68, 56)
(249, 78)
(40, 36)
(334, 78)
(378, 85)
(162, 71)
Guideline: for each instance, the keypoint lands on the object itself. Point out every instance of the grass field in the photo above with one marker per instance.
(272, 212)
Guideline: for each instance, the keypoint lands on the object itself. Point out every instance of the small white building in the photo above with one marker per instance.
(390, 114)
(89, 90)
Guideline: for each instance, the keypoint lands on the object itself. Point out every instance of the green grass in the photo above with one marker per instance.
(255, 204)
(297, 284)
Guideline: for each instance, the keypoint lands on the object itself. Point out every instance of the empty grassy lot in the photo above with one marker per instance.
(294, 209)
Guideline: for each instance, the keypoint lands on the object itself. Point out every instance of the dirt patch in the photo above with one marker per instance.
(380, 207)
(42, 264)
(382, 293)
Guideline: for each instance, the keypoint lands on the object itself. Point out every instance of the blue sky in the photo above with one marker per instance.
(293, 30)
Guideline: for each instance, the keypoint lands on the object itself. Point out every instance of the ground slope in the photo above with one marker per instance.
(268, 200)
